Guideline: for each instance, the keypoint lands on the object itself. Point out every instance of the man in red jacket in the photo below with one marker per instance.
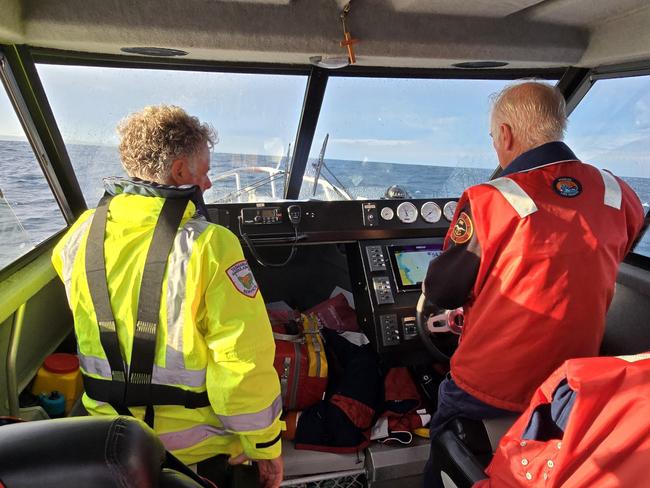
(532, 256)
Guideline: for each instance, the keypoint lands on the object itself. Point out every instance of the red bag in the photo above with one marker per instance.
(281, 317)
(301, 364)
(336, 314)
(402, 401)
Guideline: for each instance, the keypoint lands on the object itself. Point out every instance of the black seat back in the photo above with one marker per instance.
(82, 451)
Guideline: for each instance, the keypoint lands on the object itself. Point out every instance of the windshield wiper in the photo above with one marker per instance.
(320, 165)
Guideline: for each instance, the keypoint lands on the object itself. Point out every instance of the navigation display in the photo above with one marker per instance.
(410, 264)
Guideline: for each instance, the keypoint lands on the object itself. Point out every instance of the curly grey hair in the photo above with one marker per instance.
(151, 139)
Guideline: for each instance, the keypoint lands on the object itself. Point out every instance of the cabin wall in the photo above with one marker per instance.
(307, 280)
(47, 322)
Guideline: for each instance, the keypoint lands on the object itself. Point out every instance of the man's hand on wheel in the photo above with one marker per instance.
(271, 470)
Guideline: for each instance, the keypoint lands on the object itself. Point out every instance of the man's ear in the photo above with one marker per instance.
(507, 139)
(179, 170)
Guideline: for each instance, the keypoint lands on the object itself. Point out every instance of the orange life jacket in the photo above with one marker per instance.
(606, 441)
(551, 242)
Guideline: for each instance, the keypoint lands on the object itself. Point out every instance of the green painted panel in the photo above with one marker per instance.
(47, 322)
(23, 284)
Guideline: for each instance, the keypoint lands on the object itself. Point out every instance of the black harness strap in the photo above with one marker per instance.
(146, 327)
(98, 288)
(135, 388)
(97, 389)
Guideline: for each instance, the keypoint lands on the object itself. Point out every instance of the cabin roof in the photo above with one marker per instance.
(392, 33)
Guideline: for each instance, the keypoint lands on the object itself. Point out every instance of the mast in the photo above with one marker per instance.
(319, 165)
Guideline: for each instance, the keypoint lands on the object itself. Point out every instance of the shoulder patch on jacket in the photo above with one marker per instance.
(242, 277)
(463, 229)
(566, 186)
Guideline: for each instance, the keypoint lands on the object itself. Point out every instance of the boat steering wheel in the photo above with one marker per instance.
(439, 345)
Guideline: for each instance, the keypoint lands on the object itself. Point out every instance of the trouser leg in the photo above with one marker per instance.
(224, 475)
(454, 402)
(216, 470)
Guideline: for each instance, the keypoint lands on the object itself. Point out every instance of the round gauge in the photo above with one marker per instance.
(449, 209)
(407, 212)
(430, 212)
(387, 213)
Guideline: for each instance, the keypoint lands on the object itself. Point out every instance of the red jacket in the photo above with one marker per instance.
(551, 242)
(606, 442)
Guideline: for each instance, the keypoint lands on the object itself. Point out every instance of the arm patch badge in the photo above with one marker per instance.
(463, 229)
(568, 187)
(242, 277)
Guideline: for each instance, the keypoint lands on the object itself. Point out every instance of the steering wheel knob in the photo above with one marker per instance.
(428, 332)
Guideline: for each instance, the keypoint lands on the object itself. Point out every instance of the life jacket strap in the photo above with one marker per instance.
(143, 395)
(132, 386)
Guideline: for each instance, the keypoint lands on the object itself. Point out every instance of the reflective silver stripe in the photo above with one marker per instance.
(183, 377)
(253, 421)
(613, 194)
(183, 439)
(69, 253)
(515, 195)
(179, 259)
(160, 376)
(95, 365)
(174, 372)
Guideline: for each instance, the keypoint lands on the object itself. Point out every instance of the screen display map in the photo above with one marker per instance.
(412, 263)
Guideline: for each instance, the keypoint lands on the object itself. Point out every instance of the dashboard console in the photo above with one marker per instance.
(337, 221)
(388, 246)
(387, 282)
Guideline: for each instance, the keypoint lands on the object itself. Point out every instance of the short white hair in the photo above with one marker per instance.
(535, 111)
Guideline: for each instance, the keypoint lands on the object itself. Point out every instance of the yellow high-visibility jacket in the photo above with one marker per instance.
(214, 332)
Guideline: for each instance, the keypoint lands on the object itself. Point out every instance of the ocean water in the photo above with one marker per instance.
(29, 214)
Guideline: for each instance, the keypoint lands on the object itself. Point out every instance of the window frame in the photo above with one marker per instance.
(10, 82)
(314, 93)
(610, 72)
(573, 82)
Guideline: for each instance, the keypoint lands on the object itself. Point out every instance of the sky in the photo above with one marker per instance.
(431, 122)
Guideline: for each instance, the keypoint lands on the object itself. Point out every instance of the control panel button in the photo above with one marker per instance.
(409, 327)
(369, 214)
(390, 335)
(383, 290)
(376, 258)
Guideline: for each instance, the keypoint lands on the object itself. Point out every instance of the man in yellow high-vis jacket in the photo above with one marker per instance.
(212, 388)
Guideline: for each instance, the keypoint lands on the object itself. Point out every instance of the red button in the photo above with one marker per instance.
(61, 363)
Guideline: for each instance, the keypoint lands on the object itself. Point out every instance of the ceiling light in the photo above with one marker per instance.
(330, 62)
(480, 64)
(154, 51)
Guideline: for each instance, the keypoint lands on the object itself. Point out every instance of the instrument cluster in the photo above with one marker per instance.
(408, 213)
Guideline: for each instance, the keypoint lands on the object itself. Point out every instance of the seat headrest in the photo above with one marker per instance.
(80, 451)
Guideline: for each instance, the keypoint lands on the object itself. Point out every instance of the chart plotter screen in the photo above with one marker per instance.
(410, 264)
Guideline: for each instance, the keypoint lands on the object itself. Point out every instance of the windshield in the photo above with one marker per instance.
(255, 116)
(29, 213)
(430, 137)
(610, 128)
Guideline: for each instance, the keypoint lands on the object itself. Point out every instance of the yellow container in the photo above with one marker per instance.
(60, 372)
